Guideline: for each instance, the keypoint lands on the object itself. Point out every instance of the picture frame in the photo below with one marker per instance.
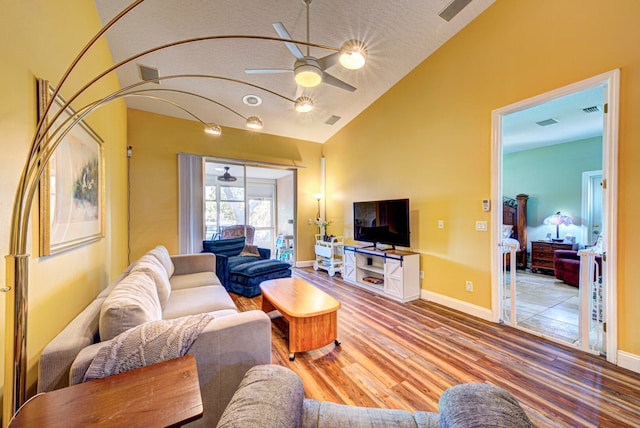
(72, 183)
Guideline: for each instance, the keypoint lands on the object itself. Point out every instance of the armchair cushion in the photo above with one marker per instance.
(224, 247)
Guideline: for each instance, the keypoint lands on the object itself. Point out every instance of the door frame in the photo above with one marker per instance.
(610, 199)
(587, 204)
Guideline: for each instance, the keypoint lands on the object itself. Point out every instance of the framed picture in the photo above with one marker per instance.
(72, 185)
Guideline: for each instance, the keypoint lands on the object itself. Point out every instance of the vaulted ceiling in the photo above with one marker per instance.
(398, 34)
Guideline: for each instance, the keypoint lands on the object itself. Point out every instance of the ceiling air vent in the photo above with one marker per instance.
(454, 8)
(332, 120)
(592, 109)
(547, 122)
(148, 74)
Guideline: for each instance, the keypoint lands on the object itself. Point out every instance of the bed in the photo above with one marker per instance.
(514, 228)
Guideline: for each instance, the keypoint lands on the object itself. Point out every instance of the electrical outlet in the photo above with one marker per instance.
(469, 286)
(440, 224)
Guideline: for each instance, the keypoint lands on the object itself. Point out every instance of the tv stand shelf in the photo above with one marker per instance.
(392, 273)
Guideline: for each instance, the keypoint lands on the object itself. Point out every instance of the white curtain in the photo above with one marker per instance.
(191, 203)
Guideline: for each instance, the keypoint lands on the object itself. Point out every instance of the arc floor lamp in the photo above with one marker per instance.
(44, 142)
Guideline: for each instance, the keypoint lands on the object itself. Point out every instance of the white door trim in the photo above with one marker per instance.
(587, 191)
(609, 173)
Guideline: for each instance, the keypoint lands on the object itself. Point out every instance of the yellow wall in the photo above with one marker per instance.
(39, 39)
(429, 137)
(157, 140)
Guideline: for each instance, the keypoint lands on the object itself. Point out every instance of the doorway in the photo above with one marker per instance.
(258, 197)
(537, 231)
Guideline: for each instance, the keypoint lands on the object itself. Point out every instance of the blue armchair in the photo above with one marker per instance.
(242, 274)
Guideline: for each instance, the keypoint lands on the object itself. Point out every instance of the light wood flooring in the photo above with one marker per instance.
(403, 356)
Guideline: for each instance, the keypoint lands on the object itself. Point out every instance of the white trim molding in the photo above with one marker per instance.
(458, 305)
(629, 361)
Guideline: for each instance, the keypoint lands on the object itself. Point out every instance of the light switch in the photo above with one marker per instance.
(481, 226)
(440, 224)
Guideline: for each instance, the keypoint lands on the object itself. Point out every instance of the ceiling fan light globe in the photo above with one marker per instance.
(307, 73)
(254, 122)
(353, 55)
(213, 129)
(304, 104)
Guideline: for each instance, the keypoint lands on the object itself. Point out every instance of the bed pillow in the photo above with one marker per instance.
(507, 231)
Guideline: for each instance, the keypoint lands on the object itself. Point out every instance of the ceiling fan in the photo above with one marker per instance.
(226, 176)
(310, 71)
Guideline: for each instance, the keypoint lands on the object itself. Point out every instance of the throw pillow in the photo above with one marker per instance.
(250, 250)
(147, 344)
(132, 302)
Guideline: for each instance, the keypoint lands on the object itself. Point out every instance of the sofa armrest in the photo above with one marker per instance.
(222, 269)
(480, 404)
(265, 253)
(224, 351)
(268, 396)
(566, 254)
(192, 263)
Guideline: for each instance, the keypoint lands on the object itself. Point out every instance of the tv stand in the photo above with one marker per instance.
(392, 273)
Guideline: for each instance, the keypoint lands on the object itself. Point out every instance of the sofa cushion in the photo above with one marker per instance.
(132, 302)
(197, 300)
(157, 271)
(160, 252)
(191, 280)
(480, 405)
(269, 396)
(225, 247)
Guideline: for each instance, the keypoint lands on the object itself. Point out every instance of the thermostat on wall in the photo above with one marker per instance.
(486, 205)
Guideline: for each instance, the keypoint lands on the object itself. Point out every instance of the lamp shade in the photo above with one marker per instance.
(353, 55)
(254, 122)
(213, 129)
(304, 104)
(557, 220)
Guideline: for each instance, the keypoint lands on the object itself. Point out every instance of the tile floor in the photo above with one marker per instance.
(546, 305)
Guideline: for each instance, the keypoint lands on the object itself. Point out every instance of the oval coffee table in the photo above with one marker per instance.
(311, 315)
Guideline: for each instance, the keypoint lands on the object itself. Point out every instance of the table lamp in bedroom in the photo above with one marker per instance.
(556, 220)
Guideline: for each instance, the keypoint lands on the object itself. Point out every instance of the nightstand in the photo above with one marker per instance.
(542, 254)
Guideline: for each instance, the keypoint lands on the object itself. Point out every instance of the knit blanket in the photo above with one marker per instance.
(147, 344)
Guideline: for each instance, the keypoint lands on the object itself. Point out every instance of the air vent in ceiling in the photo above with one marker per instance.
(148, 74)
(454, 8)
(547, 122)
(332, 120)
(592, 109)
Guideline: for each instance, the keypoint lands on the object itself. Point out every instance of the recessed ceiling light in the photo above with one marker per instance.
(252, 100)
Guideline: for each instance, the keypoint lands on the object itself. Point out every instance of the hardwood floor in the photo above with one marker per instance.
(403, 356)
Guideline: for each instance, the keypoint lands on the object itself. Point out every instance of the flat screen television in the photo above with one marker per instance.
(385, 222)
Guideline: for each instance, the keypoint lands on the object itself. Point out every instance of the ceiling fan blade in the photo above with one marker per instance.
(329, 60)
(284, 34)
(267, 70)
(334, 81)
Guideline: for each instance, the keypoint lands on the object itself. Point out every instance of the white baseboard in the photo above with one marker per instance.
(302, 264)
(629, 361)
(458, 305)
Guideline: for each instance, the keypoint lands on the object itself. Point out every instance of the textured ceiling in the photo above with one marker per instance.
(399, 35)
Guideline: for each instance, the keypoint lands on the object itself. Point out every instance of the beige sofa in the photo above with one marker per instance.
(159, 286)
